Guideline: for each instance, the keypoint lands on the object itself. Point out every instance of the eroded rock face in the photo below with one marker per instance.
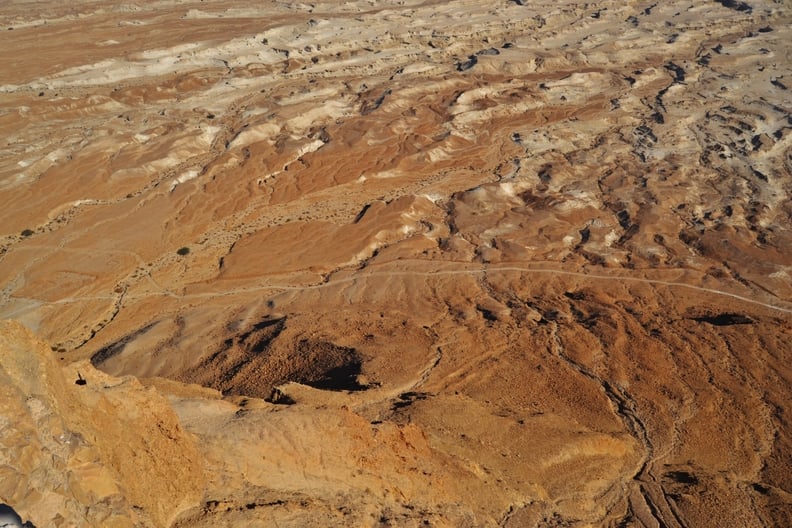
(511, 263)
(101, 452)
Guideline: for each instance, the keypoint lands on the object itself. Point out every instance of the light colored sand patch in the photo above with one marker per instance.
(254, 134)
(184, 177)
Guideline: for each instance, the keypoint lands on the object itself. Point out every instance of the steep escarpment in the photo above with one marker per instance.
(82, 448)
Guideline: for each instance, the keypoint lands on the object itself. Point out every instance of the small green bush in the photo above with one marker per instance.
(27, 232)
(183, 250)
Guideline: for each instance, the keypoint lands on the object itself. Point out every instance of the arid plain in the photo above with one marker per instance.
(396, 263)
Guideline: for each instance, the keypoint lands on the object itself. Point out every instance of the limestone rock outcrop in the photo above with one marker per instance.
(81, 448)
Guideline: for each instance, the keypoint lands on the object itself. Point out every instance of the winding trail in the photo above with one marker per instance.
(406, 273)
(481, 271)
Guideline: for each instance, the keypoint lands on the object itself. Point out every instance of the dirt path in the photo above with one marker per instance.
(435, 273)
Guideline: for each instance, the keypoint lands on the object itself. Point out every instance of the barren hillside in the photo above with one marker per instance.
(379, 263)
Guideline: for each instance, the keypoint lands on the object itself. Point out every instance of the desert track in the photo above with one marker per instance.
(489, 269)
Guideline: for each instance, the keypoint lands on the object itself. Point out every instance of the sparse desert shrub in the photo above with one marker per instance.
(27, 232)
(183, 251)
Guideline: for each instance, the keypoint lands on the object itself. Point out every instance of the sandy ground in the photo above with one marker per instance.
(396, 263)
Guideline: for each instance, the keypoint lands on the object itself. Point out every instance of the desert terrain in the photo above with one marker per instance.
(396, 263)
